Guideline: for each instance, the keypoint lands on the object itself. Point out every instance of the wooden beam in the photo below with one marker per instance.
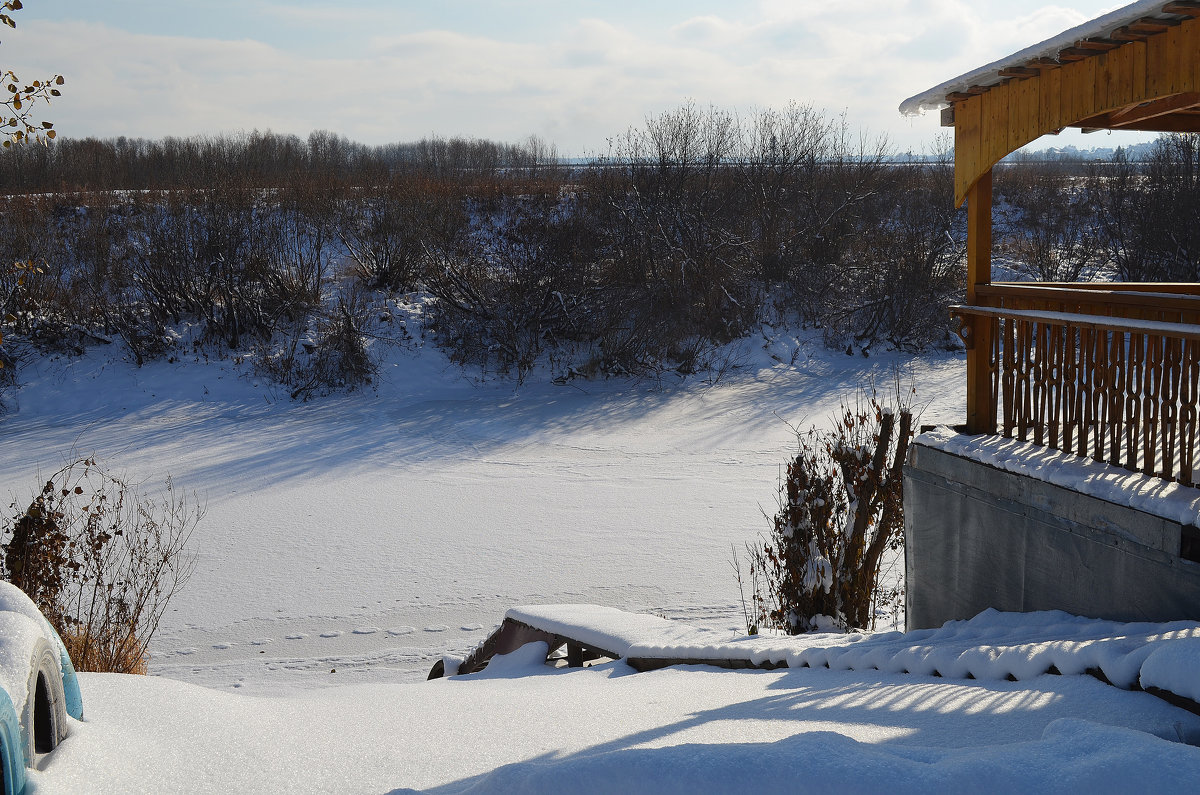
(1178, 122)
(1127, 34)
(1140, 114)
(1019, 71)
(1074, 54)
(1184, 9)
(1152, 25)
(1099, 45)
(1158, 107)
(981, 411)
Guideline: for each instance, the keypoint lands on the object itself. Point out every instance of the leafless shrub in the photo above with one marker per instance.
(102, 560)
(840, 508)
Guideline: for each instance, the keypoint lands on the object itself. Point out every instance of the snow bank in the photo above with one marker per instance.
(1174, 667)
(605, 728)
(1071, 756)
(993, 645)
(1080, 473)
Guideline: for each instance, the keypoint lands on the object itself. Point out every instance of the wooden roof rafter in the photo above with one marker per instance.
(1133, 69)
(1172, 14)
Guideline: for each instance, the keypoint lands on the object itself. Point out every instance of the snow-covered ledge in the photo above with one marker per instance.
(995, 522)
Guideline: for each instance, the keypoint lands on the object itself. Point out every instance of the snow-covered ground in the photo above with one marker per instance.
(351, 542)
(373, 532)
(531, 729)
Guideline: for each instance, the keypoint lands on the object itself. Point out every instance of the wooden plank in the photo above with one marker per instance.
(1151, 405)
(1116, 406)
(1189, 55)
(1158, 81)
(1107, 78)
(1083, 389)
(1070, 396)
(1083, 94)
(1189, 398)
(1100, 295)
(1133, 402)
(1101, 322)
(1029, 98)
(1051, 100)
(1172, 360)
(1008, 373)
(969, 119)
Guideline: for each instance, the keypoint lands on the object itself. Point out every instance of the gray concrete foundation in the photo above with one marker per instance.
(980, 537)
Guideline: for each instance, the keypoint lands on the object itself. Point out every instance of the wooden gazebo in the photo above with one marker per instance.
(1108, 370)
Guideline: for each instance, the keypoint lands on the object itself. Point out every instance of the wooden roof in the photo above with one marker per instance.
(1137, 69)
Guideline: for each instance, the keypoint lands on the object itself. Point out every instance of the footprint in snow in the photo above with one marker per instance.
(260, 641)
(186, 651)
(222, 646)
(402, 631)
(365, 630)
(333, 633)
(472, 627)
(437, 628)
(297, 636)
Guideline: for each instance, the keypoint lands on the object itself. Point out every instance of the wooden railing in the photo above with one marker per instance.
(1110, 371)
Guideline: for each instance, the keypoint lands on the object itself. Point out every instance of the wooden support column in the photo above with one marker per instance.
(981, 408)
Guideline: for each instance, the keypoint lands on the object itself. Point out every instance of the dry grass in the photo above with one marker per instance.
(113, 655)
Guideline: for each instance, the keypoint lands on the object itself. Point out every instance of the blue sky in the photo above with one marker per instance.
(574, 74)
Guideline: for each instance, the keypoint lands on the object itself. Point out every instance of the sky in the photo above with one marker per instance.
(574, 74)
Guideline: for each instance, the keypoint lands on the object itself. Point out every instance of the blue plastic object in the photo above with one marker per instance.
(12, 754)
(74, 699)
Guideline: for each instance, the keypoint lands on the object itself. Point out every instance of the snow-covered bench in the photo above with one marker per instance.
(589, 632)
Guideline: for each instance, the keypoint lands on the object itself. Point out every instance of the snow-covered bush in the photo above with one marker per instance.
(840, 508)
(101, 560)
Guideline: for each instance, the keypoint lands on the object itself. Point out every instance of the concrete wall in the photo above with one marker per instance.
(980, 537)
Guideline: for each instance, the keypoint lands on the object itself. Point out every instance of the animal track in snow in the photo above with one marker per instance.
(437, 628)
(402, 631)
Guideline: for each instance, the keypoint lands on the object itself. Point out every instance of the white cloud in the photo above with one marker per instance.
(575, 90)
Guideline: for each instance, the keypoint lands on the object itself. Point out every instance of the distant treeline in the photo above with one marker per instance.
(690, 232)
(263, 159)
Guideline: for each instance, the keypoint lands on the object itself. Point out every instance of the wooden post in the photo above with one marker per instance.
(981, 408)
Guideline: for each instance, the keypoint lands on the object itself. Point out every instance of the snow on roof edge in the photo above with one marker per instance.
(935, 98)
